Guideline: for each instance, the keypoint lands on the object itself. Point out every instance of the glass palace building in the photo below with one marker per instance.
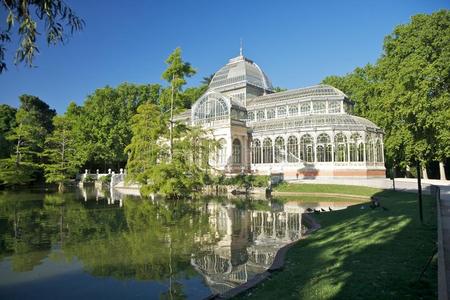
(300, 133)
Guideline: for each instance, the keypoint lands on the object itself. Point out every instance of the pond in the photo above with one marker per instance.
(91, 244)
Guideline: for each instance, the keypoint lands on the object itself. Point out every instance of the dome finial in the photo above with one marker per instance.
(240, 49)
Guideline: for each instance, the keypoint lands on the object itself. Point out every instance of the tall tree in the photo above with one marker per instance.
(176, 72)
(29, 14)
(61, 153)
(7, 123)
(148, 126)
(416, 85)
(105, 121)
(407, 91)
(149, 161)
(33, 123)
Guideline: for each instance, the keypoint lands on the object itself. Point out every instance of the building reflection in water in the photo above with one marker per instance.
(248, 240)
(244, 240)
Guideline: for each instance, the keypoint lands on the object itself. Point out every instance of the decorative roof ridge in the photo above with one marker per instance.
(294, 91)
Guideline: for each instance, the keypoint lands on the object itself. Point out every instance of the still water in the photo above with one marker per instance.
(95, 244)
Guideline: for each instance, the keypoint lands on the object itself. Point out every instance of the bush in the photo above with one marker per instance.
(88, 179)
(105, 179)
(261, 181)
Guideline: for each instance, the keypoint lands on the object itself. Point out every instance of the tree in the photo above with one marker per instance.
(175, 74)
(29, 14)
(416, 77)
(7, 122)
(278, 89)
(33, 123)
(148, 126)
(207, 79)
(407, 91)
(60, 152)
(149, 161)
(104, 121)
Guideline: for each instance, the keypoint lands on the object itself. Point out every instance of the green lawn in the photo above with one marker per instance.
(326, 188)
(361, 253)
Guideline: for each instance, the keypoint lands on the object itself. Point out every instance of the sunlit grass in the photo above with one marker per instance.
(327, 188)
(361, 254)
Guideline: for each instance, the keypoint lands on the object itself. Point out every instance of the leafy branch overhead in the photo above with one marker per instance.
(28, 15)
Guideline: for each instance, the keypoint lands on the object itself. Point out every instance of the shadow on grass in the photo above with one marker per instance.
(362, 253)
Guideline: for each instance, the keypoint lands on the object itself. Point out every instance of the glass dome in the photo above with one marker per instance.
(240, 70)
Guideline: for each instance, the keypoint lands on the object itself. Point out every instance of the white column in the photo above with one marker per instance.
(442, 171)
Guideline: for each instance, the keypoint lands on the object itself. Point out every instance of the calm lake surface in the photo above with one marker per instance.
(94, 244)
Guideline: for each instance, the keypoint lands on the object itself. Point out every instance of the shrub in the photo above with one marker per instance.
(105, 179)
(88, 179)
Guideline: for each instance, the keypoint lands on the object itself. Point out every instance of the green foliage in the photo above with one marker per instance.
(88, 179)
(106, 179)
(147, 126)
(33, 123)
(241, 180)
(407, 91)
(175, 74)
(278, 89)
(7, 122)
(103, 127)
(60, 152)
(16, 173)
(28, 14)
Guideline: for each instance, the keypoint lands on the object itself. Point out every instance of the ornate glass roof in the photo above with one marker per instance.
(240, 70)
(308, 92)
(341, 121)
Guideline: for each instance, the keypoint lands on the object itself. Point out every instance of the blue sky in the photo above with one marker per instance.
(296, 43)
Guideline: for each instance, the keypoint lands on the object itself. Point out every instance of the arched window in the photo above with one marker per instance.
(260, 115)
(221, 152)
(256, 151)
(306, 148)
(271, 113)
(319, 107)
(369, 151)
(334, 107)
(280, 150)
(340, 141)
(305, 108)
(236, 151)
(354, 148)
(292, 149)
(379, 151)
(281, 111)
(361, 151)
(293, 109)
(251, 116)
(210, 108)
(267, 151)
(324, 148)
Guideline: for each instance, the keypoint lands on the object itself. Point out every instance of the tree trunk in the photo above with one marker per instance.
(442, 171)
(61, 187)
(424, 172)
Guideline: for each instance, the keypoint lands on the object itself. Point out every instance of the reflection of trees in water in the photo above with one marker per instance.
(227, 242)
(144, 240)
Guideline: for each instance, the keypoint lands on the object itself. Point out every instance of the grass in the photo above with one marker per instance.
(315, 199)
(326, 188)
(360, 253)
